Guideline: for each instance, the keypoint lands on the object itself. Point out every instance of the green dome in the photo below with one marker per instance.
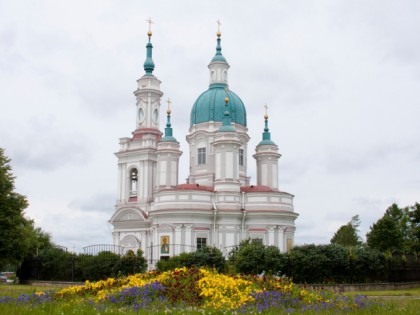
(210, 106)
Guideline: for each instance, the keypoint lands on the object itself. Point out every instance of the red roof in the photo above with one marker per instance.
(253, 188)
(194, 187)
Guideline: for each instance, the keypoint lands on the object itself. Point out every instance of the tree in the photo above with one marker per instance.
(16, 231)
(209, 256)
(414, 228)
(206, 256)
(347, 235)
(253, 257)
(385, 235)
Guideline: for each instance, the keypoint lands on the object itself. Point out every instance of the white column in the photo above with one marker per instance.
(281, 239)
(155, 248)
(116, 237)
(188, 237)
(143, 241)
(270, 229)
(177, 239)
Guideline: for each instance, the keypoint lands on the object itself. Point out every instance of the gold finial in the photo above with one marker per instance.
(168, 111)
(266, 115)
(227, 91)
(218, 28)
(149, 33)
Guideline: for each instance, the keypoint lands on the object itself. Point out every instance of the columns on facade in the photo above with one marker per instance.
(116, 238)
(270, 230)
(188, 237)
(177, 238)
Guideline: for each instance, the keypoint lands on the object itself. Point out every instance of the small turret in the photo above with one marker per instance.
(266, 155)
(168, 154)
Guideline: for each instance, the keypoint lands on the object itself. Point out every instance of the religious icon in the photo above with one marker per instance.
(164, 244)
(289, 244)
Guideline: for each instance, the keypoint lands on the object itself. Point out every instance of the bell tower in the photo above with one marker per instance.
(137, 160)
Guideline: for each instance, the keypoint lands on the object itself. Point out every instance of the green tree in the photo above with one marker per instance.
(414, 228)
(130, 263)
(385, 235)
(252, 257)
(209, 256)
(16, 231)
(206, 256)
(347, 235)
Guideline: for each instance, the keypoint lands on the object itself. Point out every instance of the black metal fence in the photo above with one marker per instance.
(80, 267)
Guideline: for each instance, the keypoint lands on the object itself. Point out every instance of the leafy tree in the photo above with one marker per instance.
(16, 231)
(414, 228)
(334, 263)
(347, 235)
(209, 256)
(206, 256)
(131, 263)
(385, 235)
(252, 257)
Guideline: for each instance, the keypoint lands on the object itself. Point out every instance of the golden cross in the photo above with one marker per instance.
(150, 23)
(218, 25)
(169, 102)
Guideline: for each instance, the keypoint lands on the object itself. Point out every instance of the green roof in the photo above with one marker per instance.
(210, 106)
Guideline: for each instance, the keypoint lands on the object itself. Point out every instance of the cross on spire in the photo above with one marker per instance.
(266, 107)
(169, 103)
(150, 24)
(218, 25)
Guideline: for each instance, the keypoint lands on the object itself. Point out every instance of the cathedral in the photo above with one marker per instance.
(217, 206)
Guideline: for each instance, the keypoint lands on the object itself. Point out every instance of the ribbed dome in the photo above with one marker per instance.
(210, 106)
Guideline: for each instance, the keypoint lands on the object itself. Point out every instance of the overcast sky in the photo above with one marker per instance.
(341, 79)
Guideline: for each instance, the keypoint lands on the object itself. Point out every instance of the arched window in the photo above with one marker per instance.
(241, 157)
(133, 182)
(201, 156)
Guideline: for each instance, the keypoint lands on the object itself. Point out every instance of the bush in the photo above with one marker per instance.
(252, 257)
(206, 256)
(334, 264)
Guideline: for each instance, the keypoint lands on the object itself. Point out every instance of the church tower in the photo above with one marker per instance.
(168, 154)
(137, 155)
(137, 162)
(266, 155)
(207, 116)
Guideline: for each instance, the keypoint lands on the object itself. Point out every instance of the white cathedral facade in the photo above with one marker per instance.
(217, 206)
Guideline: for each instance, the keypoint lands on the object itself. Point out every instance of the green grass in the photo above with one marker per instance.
(404, 302)
(14, 290)
(405, 292)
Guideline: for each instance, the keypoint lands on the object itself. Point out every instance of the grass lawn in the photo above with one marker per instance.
(405, 292)
(14, 290)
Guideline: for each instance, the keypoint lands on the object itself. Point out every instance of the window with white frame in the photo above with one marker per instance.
(201, 156)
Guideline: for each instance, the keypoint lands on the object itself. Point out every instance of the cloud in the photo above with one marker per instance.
(47, 148)
(101, 203)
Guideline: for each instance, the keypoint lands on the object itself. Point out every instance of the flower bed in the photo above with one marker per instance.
(200, 289)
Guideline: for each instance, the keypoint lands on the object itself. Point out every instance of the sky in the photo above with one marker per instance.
(341, 80)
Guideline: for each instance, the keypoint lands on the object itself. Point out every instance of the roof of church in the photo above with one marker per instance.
(210, 106)
(253, 188)
(194, 187)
